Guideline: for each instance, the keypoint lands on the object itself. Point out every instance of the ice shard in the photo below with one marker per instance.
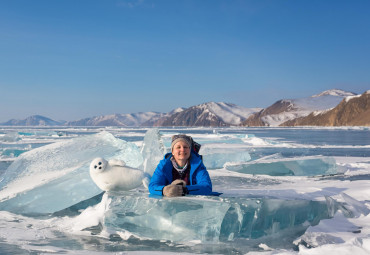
(209, 219)
(10, 137)
(56, 176)
(153, 150)
(216, 156)
(170, 219)
(218, 160)
(355, 206)
(302, 166)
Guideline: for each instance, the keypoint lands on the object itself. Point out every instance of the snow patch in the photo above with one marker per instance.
(335, 92)
(349, 98)
(229, 113)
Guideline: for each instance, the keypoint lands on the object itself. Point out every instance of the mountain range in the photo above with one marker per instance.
(329, 108)
(352, 111)
(35, 120)
(289, 109)
(208, 115)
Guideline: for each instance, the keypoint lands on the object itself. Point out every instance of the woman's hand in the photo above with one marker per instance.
(179, 182)
(173, 190)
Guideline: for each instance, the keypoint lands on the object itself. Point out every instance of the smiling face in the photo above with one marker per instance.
(181, 152)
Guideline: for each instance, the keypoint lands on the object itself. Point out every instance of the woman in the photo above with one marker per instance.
(181, 172)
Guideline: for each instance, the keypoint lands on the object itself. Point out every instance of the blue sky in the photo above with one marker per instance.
(71, 59)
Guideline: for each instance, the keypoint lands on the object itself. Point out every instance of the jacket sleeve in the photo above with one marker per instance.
(158, 180)
(203, 184)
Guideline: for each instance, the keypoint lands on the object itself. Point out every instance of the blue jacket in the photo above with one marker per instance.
(200, 183)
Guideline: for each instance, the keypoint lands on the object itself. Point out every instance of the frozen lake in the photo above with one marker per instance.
(285, 190)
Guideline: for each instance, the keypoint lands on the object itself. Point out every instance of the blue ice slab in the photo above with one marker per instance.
(304, 166)
(210, 219)
(10, 137)
(153, 150)
(218, 160)
(39, 133)
(56, 176)
(12, 153)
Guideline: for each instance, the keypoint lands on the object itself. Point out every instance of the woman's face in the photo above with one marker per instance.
(181, 152)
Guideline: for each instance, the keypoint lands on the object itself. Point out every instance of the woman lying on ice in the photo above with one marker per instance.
(181, 172)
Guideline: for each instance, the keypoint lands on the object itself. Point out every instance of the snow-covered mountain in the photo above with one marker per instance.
(352, 111)
(210, 114)
(289, 109)
(126, 120)
(335, 92)
(159, 121)
(34, 120)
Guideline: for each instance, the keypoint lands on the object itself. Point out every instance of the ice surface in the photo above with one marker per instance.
(256, 141)
(340, 230)
(301, 166)
(56, 176)
(257, 214)
(10, 152)
(209, 219)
